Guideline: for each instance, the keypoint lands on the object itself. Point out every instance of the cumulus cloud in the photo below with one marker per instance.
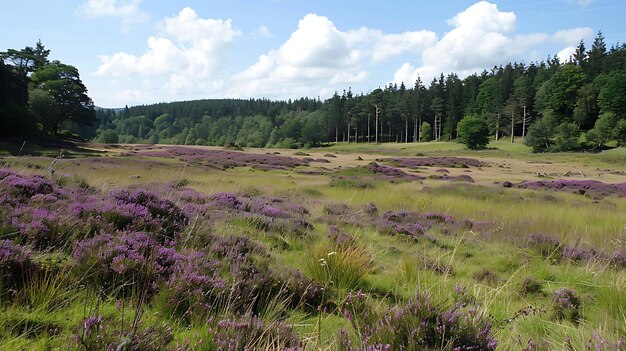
(482, 37)
(189, 51)
(318, 55)
(187, 57)
(263, 32)
(127, 10)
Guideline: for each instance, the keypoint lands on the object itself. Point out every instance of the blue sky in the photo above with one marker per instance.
(139, 52)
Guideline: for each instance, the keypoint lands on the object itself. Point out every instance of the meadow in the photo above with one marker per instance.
(424, 246)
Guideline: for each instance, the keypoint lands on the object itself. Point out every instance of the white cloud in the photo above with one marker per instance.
(482, 37)
(318, 57)
(190, 51)
(565, 55)
(127, 10)
(263, 32)
(584, 3)
(572, 36)
(187, 58)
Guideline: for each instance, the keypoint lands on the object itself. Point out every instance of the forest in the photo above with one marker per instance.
(554, 106)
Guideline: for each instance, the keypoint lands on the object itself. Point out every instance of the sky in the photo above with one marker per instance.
(131, 52)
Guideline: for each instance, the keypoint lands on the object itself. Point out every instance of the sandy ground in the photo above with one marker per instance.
(498, 169)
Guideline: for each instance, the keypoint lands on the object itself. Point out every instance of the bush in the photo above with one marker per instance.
(566, 137)
(426, 132)
(530, 286)
(473, 132)
(15, 266)
(541, 133)
(565, 305)
(422, 325)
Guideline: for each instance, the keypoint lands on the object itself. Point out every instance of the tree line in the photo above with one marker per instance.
(39, 96)
(552, 105)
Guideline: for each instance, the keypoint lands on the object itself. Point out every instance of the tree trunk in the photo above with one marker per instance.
(524, 124)
(377, 112)
(368, 127)
(406, 132)
(497, 126)
(512, 125)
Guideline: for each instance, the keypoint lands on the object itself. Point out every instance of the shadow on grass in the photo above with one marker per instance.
(47, 147)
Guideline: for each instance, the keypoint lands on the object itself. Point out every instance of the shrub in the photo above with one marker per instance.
(422, 325)
(473, 132)
(546, 245)
(15, 265)
(122, 262)
(565, 305)
(530, 286)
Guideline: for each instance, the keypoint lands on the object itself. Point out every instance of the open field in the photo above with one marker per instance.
(350, 247)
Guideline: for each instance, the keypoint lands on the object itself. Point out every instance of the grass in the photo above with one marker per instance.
(487, 265)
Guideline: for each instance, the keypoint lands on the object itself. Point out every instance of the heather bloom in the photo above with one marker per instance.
(566, 304)
(91, 324)
(445, 162)
(15, 264)
(227, 200)
(593, 188)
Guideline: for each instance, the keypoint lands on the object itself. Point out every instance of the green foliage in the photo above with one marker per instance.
(63, 83)
(566, 137)
(426, 132)
(473, 132)
(541, 134)
(108, 137)
(603, 130)
(612, 97)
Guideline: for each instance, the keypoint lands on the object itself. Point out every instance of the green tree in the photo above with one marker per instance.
(43, 106)
(541, 133)
(63, 83)
(27, 60)
(312, 132)
(562, 90)
(620, 132)
(473, 132)
(426, 132)
(15, 119)
(603, 130)
(612, 97)
(566, 137)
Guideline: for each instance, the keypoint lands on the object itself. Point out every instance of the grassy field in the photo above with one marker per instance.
(335, 248)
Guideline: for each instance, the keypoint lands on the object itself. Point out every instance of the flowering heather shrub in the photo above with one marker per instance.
(15, 265)
(565, 305)
(446, 162)
(194, 285)
(391, 172)
(599, 343)
(221, 158)
(459, 178)
(413, 229)
(252, 333)
(580, 254)
(99, 333)
(423, 325)
(226, 201)
(593, 188)
(25, 186)
(125, 260)
(339, 238)
(371, 209)
(546, 245)
(163, 213)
